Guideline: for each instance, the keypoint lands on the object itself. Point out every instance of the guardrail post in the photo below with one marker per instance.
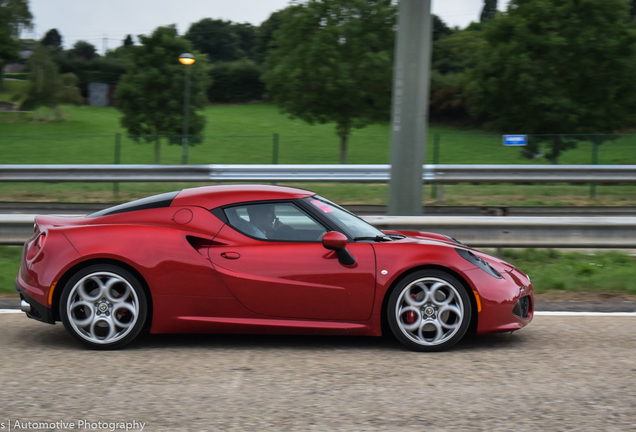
(595, 144)
(275, 149)
(117, 160)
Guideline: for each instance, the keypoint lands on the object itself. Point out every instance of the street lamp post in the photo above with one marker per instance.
(186, 59)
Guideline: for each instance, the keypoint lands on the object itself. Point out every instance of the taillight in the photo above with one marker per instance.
(40, 241)
(36, 246)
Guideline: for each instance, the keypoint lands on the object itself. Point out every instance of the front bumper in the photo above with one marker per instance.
(507, 304)
(38, 311)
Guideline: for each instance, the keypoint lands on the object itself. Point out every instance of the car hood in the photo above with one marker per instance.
(427, 238)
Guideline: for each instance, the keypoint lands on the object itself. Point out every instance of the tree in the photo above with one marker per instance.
(237, 81)
(632, 8)
(84, 50)
(453, 55)
(216, 38)
(128, 41)
(440, 28)
(70, 93)
(557, 67)
(333, 62)
(246, 33)
(150, 93)
(52, 38)
(46, 87)
(265, 36)
(44, 84)
(14, 16)
(489, 10)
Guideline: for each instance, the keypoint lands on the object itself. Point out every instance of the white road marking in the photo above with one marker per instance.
(608, 314)
(9, 311)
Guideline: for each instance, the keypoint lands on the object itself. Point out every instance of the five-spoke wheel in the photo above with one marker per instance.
(429, 311)
(103, 306)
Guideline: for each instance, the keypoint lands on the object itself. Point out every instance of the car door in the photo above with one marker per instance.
(291, 274)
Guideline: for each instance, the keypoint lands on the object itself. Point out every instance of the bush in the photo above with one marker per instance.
(19, 75)
(238, 81)
(70, 94)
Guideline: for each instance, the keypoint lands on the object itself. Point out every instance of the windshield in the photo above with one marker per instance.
(347, 221)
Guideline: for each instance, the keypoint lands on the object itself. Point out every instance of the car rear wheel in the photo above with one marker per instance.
(103, 307)
(429, 311)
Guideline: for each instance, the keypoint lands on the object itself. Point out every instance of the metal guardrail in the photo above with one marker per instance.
(8, 207)
(496, 232)
(522, 232)
(447, 174)
(15, 229)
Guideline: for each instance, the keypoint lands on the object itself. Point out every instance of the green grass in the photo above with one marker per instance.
(244, 134)
(343, 193)
(603, 271)
(10, 88)
(550, 270)
(9, 266)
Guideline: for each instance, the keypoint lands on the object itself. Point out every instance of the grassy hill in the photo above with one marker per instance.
(244, 134)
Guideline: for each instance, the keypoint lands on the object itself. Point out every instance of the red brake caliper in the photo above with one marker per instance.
(410, 315)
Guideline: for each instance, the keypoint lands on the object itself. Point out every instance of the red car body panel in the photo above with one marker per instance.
(296, 280)
(210, 197)
(204, 276)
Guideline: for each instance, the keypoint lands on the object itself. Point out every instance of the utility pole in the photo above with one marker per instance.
(188, 60)
(409, 115)
(104, 44)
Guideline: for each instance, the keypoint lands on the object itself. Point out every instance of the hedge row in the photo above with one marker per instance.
(18, 75)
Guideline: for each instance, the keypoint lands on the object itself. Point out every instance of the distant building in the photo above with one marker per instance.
(100, 93)
(20, 66)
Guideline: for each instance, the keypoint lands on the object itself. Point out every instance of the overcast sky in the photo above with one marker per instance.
(109, 21)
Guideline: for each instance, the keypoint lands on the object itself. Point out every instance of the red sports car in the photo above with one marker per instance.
(260, 259)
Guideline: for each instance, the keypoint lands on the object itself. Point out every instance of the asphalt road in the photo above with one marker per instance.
(558, 374)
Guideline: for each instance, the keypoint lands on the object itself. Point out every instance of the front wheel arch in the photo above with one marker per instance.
(59, 287)
(472, 327)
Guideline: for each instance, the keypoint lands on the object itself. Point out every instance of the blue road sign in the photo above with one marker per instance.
(515, 140)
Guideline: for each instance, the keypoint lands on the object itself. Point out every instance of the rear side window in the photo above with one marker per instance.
(157, 201)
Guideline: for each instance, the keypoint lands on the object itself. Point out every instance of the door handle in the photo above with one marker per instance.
(230, 255)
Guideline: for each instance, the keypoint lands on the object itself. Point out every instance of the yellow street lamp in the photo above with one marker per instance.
(186, 59)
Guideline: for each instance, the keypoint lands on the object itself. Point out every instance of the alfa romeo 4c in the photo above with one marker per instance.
(260, 259)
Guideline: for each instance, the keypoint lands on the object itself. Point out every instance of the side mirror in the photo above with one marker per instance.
(336, 241)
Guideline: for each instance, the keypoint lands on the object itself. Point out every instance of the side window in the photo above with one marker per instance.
(274, 221)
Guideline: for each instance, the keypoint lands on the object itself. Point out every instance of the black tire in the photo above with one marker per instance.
(104, 307)
(429, 310)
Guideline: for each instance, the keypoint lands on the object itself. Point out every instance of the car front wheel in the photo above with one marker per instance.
(103, 307)
(429, 310)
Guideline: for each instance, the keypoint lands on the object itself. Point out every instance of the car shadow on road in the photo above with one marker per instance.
(313, 342)
(55, 337)
(264, 342)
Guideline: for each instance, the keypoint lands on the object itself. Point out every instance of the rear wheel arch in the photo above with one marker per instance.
(59, 287)
(472, 328)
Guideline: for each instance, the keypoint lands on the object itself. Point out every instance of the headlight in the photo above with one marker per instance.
(478, 262)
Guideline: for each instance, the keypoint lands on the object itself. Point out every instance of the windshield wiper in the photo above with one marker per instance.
(378, 238)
